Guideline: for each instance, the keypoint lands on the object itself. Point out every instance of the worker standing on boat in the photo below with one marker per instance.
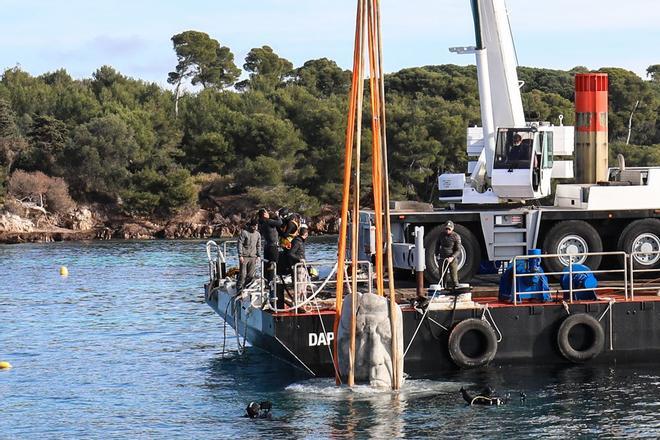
(268, 228)
(249, 252)
(289, 228)
(297, 255)
(449, 247)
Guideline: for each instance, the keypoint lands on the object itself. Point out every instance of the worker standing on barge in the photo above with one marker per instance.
(449, 247)
(249, 253)
(269, 234)
(291, 223)
(297, 255)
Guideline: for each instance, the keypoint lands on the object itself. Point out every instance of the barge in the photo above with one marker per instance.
(465, 330)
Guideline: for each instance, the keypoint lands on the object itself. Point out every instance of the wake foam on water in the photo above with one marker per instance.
(412, 388)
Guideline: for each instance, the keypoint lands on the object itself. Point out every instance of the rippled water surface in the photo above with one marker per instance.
(126, 347)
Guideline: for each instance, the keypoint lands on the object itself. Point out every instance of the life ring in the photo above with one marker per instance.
(595, 338)
(477, 351)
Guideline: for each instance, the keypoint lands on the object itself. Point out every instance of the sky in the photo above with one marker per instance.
(134, 36)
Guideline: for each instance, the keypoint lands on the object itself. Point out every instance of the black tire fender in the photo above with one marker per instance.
(563, 341)
(487, 344)
(571, 227)
(472, 251)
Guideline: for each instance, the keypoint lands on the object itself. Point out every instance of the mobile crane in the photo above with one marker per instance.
(495, 207)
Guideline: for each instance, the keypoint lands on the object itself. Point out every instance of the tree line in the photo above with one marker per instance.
(273, 134)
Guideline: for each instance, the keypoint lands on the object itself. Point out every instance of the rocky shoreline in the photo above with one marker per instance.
(95, 223)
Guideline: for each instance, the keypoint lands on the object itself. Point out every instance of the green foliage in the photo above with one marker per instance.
(549, 81)
(277, 136)
(3, 185)
(323, 78)
(100, 155)
(203, 61)
(296, 199)
(267, 69)
(8, 126)
(625, 89)
(261, 171)
(12, 143)
(46, 141)
(160, 192)
(635, 155)
(653, 72)
(547, 106)
(214, 185)
(27, 95)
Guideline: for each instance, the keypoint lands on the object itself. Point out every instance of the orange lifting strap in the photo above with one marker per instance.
(367, 30)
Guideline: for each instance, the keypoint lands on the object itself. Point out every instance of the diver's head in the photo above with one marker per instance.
(252, 410)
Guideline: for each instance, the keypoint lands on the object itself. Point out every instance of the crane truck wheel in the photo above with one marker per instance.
(639, 237)
(468, 260)
(571, 237)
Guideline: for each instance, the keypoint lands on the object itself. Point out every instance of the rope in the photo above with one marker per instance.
(332, 358)
(609, 309)
(238, 335)
(235, 309)
(445, 267)
(224, 330)
(420, 323)
(311, 297)
(491, 322)
(294, 355)
(568, 312)
(247, 316)
(438, 324)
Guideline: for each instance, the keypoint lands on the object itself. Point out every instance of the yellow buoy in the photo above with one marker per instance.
(64, 271)
(4, 365)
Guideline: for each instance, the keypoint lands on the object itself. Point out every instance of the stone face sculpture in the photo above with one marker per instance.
(373, 340)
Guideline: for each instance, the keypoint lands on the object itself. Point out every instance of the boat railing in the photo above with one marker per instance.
(305, 286)
(216, 260)
(226, 243)
(218, 257)
(622, 257)
(652, 274)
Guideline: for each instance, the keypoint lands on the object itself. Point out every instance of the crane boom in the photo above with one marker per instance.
(503, 171)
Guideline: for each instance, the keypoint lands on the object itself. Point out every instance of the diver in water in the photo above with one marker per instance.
(261, 410)
(486, 397)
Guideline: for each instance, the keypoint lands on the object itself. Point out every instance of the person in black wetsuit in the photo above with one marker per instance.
(261, 410)
(291, 223)
(268, 228)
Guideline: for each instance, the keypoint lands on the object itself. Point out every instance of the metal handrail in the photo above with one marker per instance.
(217, 256)
(225, 243)
(320, 282)
(571, 272)
(214, 260)
(633, 271)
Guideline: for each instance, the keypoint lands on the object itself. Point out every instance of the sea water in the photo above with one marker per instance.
(125, 347)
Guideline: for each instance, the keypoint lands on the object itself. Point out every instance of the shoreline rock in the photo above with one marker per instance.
(93, 223)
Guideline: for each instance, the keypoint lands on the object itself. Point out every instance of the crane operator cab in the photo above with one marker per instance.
(523, 163)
